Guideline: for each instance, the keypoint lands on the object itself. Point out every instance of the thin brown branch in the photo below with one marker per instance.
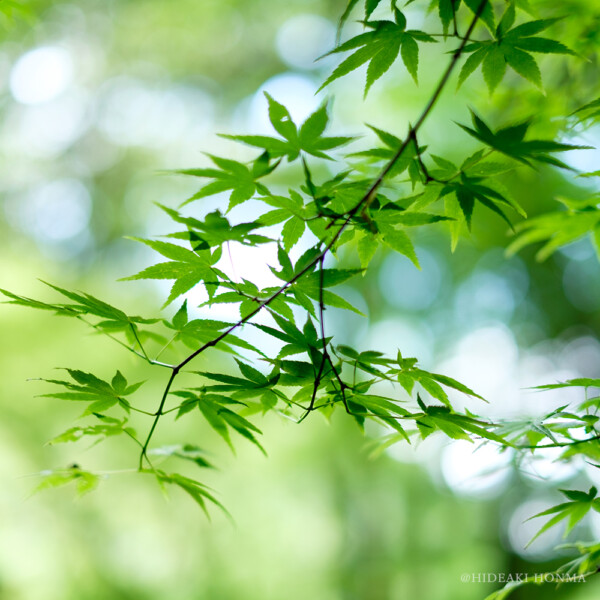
(560, 444)
(361, 206)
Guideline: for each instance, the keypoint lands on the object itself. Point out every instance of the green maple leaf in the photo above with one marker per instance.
(308, 138)
(511, 142)
(189, 267)
(589, 112)
(470, 190)
(511, 47)
(233, 176)
(86, 387)
(186, 267)
(215, 230)
(380, 48)
(580, 504)
(559, 228)
(107, 427)
(391, 143)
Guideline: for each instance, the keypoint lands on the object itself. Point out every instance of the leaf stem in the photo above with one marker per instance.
(366, 201)
(361, 206)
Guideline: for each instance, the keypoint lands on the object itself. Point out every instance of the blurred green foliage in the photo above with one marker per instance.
(151, 83)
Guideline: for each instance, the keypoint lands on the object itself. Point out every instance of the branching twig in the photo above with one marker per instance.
(361, 207)
(325, 357)
(129, 348)
(560, 444)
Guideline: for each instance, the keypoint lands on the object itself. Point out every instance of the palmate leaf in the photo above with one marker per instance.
(584, 382)
(113, 319)
(198, 491)
(378, 408)
(231, 175)
(308, 138)
(189, 267)
(469, 190)
(487, 15)
(308, 288)
(197, 332)
(559, 228)
(409, 374)
(447, 11)
(107, 427)
(213, 407)
(370, 6)
(85, 481)
(556, 425)
(367, 247)
(391, 145)
(574, 511)
(454, 425)
(380, 48)
(398, 240)
(188, 452)
(215, 230)
(591, 110)
(346, 14)
(293, 212)
(513, 48)
(86, 387)
(511, 142)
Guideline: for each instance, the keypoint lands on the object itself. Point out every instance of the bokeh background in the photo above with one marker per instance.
(97, 99)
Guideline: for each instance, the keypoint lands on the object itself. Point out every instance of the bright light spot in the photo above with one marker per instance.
(579, 250)
(475, 471)
(545, 466)
(347, 327)
(582, 160)
(250, 263)
(41, 75)
(132, 114)
(303, 38)
(486, 361)
(582, 355)
(581, 280)
(412, 338)
(54, 212)
(595, 522)
(537, 368)
(425, 452)
(49, 129)
(404, 286)
(484, 295)
(521, 530)
(295, 92)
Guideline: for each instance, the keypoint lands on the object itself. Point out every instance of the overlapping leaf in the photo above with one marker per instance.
(187, 452)
(573, 511)
(107, 427)
(308, 138)
(380, 48)
(113, 319)
(559, 228)
(231, 175)
(198, 332)
(197, 265)
(511, 142)
(198, 491)
(87, 387)
(85, 481)
(513, 47)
